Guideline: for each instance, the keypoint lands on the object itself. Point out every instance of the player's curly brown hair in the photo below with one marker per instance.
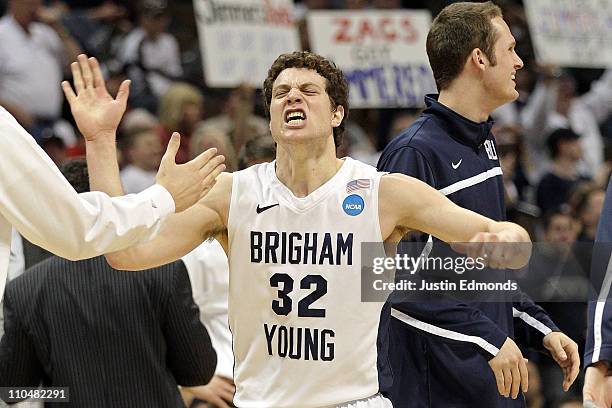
(336, 85)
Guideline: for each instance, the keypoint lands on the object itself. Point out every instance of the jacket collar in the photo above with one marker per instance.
(462, 129)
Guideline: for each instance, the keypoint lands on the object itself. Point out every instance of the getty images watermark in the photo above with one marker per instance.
(435, 271)
(410, 265)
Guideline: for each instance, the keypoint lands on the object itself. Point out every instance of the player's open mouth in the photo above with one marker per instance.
(295, 117)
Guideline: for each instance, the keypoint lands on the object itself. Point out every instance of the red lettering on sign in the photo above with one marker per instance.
(342, 34)
(411, 32)
(388, 34)
(365, 30)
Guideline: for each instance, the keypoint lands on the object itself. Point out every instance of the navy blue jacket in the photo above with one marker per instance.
(439, 351)
(599, 339)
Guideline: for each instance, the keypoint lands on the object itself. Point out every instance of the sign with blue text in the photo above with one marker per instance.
(382, 53)
(571, 33)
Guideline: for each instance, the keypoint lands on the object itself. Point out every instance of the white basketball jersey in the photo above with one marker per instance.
(302, 337)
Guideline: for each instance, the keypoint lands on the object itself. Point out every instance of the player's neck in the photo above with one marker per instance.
(303, 169)
(467, 100)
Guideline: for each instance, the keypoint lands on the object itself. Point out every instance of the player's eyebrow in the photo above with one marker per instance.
(284, 86)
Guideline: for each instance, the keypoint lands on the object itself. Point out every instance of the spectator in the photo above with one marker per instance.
(237, 118)
(143, 327)
(180, 110)
(559, 282)
(150, 55)
(588, 205)
(137, 119)
(261, 149)
(33, 54)
(555, 186)
(143, 152)
(205, 137)
(554, 105)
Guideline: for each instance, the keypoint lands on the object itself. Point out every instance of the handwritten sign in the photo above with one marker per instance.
(382, 54)
(571, 33)
(240, 39)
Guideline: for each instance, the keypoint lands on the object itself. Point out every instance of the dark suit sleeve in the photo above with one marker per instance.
(447, 320)
(599, 337)
(191, 356)
(19, 365)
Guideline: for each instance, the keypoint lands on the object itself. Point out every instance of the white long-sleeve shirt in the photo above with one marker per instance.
(208, 270)
(40, 203)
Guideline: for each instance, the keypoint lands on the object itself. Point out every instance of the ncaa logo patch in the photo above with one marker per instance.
(353, 205)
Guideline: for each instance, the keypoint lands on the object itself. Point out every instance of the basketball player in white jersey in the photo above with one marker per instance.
(293, 230)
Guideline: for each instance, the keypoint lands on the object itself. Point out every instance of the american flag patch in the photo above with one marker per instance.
(359, 184)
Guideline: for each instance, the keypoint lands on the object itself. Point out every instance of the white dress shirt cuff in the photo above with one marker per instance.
(161, 198)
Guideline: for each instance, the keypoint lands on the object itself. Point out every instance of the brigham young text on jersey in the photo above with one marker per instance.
(301, 248)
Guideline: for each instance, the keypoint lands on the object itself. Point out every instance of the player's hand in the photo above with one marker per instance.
(219, 392)
(597, 386)
(565, 352)
(96, 112)
(505, 249)
(510, 369)
(188, 182)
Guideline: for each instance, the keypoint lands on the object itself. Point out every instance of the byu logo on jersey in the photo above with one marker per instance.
(353, 205)
(490, 148)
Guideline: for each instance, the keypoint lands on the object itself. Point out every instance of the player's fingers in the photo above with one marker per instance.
(524, 375)
(574, 369)
(68, 92)
(516, 382)
(123, 93)
(217, 401)
(558, 352)
(169, 156)
(203, 158)
(211, 177)
(98, 79)
(77, 78)
(475, 250)
(499, 380)
(496, 253)
(227, 395)
(86, 70)
(507, 381)
(212, 165)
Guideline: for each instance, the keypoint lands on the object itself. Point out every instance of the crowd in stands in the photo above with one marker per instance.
(554, 142)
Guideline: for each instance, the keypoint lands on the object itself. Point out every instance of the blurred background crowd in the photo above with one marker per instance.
(554, 142)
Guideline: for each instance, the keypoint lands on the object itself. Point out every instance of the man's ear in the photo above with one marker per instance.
(479, 59)
(337, 116)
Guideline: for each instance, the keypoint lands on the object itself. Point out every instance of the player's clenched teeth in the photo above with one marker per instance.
(295, 117)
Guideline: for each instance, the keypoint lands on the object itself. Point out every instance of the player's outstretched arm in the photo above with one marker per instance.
(98, 114)
(406, 202)
(181, 233)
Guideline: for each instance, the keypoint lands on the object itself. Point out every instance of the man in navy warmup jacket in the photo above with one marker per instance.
(598, 354)
(447, 353)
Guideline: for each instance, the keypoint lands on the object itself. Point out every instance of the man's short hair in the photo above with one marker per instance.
(455, 33)
(557, 137)
(76, 173)
(336, 85)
